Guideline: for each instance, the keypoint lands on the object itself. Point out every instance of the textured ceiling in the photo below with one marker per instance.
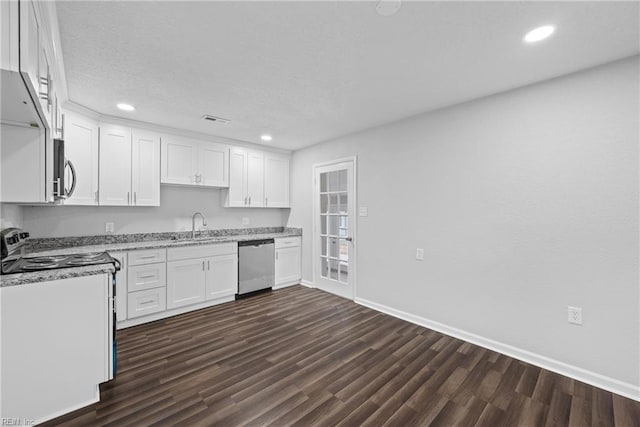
(306, 72)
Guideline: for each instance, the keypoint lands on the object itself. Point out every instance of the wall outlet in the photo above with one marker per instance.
(574, 315)
(420, 254)
(245, 221)
(109, 227)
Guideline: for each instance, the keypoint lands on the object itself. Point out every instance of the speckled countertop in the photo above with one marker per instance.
(127, 242)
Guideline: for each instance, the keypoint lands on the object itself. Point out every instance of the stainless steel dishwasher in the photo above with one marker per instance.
(256, 266)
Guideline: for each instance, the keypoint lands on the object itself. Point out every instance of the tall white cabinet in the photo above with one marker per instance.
(81, 150)
(257, 179)
(129, 167)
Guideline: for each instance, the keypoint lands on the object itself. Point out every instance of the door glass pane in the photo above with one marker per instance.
(323, 246)
(324, 220)
(324, 267)
(344, 273)
(333, 269)
(324, 203)
(333, 203)
(343, 205)
(341, 181)
(344, 250)
(334, 248)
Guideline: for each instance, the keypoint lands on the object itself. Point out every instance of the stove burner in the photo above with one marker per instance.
(45, 259)
(39, 266)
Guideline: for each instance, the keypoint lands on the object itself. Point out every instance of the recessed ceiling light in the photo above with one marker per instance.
(539, 34)
(126, 107)
(266, 137)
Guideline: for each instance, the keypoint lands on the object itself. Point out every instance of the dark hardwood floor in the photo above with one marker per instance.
(303, 357)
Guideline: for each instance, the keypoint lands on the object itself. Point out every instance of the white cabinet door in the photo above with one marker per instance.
(30, 43)
(288, 265)
(213, 160)
(81, 150)
(276, 181)
(222, 276)
(145, 169)
(115, 166)
(179, 161)
(22, 164)
(255, 178)
(185, 282)
(237, 194)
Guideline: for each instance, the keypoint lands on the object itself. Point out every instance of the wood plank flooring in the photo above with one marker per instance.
(303, 357)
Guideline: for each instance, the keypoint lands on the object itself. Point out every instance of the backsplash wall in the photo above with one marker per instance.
(11, 215)
(177, 205)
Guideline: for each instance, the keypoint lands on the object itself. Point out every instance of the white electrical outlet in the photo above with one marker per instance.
(245, 221)
(420, 254)
(574, 315)
(109, 227)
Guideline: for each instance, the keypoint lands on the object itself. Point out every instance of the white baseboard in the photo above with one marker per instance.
(607, 383)
(285, 285)
(307, 283)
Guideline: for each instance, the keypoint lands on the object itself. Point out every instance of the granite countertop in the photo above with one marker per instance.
(127, 242)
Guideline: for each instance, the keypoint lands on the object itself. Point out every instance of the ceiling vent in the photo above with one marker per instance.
(215, 119)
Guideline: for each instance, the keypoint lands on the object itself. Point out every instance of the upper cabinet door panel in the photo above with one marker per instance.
(237, 194)
(115, 166)
(145, 168)
(213, 162)
(81, 151)
(179, 161)
(255, 178)
(30, 43)
(276, 181)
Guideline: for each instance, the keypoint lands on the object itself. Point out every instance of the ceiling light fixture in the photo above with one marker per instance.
(126, 107)
(266, 138)
(388, 7)
(539, 34)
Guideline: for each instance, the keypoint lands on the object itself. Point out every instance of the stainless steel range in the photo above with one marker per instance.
(13, 239)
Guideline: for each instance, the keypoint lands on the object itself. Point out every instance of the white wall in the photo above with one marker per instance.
(177, 206)
(524, 202)
(10, 216)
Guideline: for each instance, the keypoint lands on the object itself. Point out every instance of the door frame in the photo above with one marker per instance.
(315, 241)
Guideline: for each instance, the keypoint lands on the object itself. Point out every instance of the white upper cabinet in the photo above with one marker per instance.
(257, 179)
(276, 181)
(115, 166)
(145, 168)
(129, 171)
(213, 164)
(81, 151)
(190, 162)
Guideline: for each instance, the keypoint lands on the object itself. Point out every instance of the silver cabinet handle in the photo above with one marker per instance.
(202, 265)
(97, 198)
(208, 265)
(266, 201)
(146, 257)
(56, 187)
(148, 276)
(249, 200)
(73, 176)
(245, 200)
(135, 197)
(146, 302)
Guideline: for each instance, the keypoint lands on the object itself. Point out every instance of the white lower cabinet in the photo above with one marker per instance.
(145, 302)
(199, 273)
(185, 282)
(288, 253)
(148, 276)
(222, 276)
(56, 346)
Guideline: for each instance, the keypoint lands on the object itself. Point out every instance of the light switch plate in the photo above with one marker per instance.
(109, 227)
(364, 211)
(420, 254)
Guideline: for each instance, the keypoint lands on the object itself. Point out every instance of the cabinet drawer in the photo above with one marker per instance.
(191, 252)
(146, 302)
(147, 257)
(147, 276)
(287, 242)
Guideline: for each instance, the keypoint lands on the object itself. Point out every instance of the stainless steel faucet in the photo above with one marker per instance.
(193, 223)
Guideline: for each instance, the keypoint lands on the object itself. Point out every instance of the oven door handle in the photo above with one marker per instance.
(73, 178)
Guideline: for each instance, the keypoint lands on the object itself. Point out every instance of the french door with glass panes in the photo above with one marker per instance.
(334, 228)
